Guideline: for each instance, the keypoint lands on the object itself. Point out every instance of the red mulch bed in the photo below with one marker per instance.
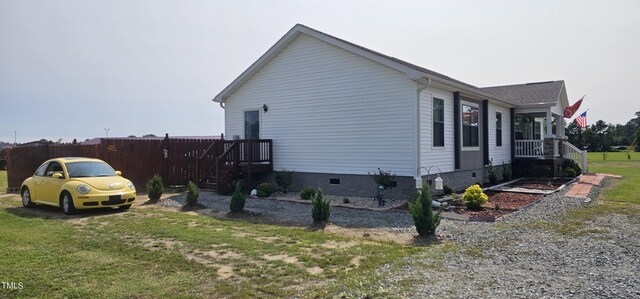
(541, 184)
(507, 202)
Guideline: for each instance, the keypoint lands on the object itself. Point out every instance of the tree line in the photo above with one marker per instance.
(604, 137)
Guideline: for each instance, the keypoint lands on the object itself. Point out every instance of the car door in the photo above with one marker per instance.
(38, 180)
(51, 187)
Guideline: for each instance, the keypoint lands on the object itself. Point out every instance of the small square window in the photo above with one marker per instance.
(334, 181)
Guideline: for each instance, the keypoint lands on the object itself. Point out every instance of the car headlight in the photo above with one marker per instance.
(131, 186)
(84, 189)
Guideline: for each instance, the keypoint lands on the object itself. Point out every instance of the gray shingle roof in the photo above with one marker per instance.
(529, 93)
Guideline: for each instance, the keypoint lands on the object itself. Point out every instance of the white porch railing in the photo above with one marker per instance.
(529, 148)
(580, 156)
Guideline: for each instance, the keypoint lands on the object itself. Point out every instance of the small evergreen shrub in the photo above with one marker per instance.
(447, 190)
(414, 196)
(320, 207)
(570, 163)
(284, 179)
(155, 188)
(193, 192)
(424, 219)
(386, 179)
(492, 173)
(506, 172)
(307, 193)
(345, 200)
(265, 190)
(569, 172)
(474, 198)
(237, 200)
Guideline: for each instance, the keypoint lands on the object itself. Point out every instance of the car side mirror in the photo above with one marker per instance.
(57, 175)
(118, 173)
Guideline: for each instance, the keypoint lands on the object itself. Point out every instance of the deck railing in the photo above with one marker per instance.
(576, 154)
(529, 148)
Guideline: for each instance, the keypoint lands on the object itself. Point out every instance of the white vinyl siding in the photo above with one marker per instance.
(330, 111)
(442, 157)
(499, 154)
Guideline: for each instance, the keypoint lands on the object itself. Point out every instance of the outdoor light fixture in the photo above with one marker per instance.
(265, 108)
(439, 182)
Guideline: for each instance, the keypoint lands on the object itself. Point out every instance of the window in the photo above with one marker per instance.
(334, 181)
(41, 170)
(537, 128)
(519, 135)
(438, 122)
(498, 129)
(54, 167)
(252, 124)
(470, 125)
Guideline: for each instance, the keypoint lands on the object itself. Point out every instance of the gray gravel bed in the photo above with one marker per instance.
(513, 260)
(300, 213)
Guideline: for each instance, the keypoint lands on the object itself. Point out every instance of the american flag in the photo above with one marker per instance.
(582, 120)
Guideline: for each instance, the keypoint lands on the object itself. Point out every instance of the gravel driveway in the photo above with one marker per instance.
(518, 259)
(513, 258)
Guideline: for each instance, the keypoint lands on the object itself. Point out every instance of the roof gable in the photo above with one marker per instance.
(540, 93)
(413, 72)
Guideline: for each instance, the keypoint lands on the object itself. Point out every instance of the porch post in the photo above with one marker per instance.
(549, 119)
(549, 138)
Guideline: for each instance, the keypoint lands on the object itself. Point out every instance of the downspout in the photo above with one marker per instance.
(418, 126)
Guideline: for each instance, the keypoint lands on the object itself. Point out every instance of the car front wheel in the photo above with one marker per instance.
(67, 204)
(26, 198)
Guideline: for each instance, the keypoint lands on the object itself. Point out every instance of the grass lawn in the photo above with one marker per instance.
(3, 181)
(626, 190)
(154, 252)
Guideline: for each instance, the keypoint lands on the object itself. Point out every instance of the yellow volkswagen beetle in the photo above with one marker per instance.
(77, 183)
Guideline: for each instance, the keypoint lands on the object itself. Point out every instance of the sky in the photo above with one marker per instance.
(72, 69)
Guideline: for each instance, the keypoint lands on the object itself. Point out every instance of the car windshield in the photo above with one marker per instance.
(89, 169)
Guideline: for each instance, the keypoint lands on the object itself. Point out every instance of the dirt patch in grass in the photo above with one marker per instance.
(281, 257)
(368, 235)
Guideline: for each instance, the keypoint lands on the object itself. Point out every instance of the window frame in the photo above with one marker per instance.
(433, 123)
(498, 129)
(462, 126)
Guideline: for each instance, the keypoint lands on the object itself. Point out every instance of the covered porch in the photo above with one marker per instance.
(539, 133)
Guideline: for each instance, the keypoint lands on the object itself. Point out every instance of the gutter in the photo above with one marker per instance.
(418, 122)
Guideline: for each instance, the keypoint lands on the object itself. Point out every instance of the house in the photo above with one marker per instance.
(336, 112)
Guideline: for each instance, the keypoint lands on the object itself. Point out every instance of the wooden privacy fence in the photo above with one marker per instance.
(176, 160)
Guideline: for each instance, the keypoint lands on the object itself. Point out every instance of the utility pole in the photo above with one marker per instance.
(15, 137)
(106, 130)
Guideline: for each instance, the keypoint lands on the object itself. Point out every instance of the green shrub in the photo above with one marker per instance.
(447, 190)
(265, 189)
(155, 188)
(424, 219)
(577, 168)
(491, 171)
(414, 196)
(570, 163)
(237, 200)
(307, 193)
(193, 192)
(386, 179)
(569, 172)
(506, 172)
(474, 198)
(284, 179)
(320, 207)
(345, 200)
